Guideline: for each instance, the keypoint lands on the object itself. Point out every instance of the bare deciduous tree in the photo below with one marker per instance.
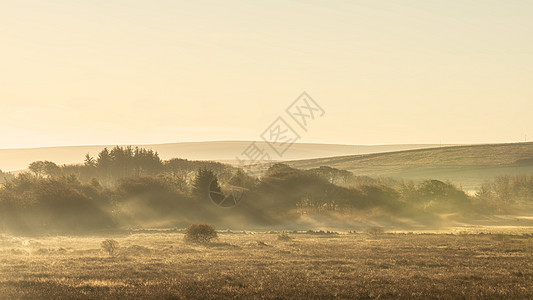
(109, 246)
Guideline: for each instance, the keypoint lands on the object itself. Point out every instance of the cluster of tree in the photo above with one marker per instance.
(122, 162)
(30, 204)
(179, 165)
(506, 194)
(5, 176)
(110, 166)
(186, 171)
(33, 204)
(149, 192)
(44, 168)
(56, 199)
(286, 192)
(333, 175)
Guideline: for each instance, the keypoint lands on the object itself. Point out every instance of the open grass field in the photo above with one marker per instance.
(258, 265)
(466, 166)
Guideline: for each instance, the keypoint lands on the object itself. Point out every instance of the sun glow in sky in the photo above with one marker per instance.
(138, 72)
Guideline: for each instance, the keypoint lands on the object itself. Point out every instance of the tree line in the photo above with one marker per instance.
(129, 187)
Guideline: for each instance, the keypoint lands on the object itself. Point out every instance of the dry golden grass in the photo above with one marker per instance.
(258, 265)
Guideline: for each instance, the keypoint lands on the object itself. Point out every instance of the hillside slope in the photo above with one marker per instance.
(468, 166)
(17, 159)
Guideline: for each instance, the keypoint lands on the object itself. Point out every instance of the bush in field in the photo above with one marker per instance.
(375, 230)
(200, 233)
(501, 237)
(109, 246)
(284, 237)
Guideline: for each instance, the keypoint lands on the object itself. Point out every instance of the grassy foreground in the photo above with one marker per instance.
(258, 265)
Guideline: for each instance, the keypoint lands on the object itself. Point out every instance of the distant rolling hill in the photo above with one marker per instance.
(468, 166)
(18, 159)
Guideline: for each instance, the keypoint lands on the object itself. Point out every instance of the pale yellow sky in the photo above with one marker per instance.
(138, 72)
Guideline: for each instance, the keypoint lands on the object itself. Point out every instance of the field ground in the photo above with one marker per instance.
(258, 265)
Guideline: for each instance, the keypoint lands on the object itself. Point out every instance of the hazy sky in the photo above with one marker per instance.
(133, 72)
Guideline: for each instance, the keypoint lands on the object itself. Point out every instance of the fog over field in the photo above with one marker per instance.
(266, 149)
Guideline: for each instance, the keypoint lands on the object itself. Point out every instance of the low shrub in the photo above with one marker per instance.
(375, 230)
(284, 237)
(200, 233)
